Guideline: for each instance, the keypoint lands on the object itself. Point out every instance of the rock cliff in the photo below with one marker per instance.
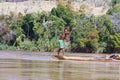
(96, 7)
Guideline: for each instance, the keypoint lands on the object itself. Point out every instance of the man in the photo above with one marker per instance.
(66, 34)
(63, 38)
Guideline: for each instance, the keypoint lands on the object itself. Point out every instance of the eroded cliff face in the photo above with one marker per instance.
(96, 7)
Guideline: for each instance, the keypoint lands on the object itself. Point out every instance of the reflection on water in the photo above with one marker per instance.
(22, 69)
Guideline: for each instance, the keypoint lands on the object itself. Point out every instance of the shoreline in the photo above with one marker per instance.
(51, 53)
(47, 56)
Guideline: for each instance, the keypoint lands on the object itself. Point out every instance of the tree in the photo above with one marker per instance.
(114, 2)
(114, 9)
(85, 37)
(64, 14)
(66, 4)
(27, 26)
(114, 43)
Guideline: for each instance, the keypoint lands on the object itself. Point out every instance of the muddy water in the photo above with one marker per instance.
(43, 66)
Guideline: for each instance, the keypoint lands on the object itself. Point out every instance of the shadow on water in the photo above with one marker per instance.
(40, 67)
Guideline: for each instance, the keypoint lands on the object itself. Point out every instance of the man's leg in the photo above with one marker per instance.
(59, 51)
(63, 51)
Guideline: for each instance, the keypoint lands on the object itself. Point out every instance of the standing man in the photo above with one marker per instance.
(63, 39)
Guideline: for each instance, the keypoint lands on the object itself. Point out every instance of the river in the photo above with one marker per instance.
(19, 65)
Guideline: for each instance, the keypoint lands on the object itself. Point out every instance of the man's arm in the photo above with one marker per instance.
(71, 31)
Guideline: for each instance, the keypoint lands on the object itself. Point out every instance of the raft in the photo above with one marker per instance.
(85, 59)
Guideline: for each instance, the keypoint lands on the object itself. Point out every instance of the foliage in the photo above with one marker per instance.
(114, 9)
(85, 35)
(115, 19)
(29, 45)
(48, 38)
(114, 2)
(61, 3)
(6, 33)
(41, 31)
(64, 14)
(115, 42)
(27, 25)
(114, 12)
(104, 26)
(7, 47)
(83, 8)
(47, 45)
(3, 47)
(66, 4)
(57, 27)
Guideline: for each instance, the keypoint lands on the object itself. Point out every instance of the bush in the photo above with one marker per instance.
(42, 45)
(114, 2)
(3, 47)
(63, 13)
(114, 43)
(6, 47)
(29, 45)
(47, 45)
(13, 48)
(85, 36)
(114, 9)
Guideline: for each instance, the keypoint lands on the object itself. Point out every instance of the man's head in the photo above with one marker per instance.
(65, 30)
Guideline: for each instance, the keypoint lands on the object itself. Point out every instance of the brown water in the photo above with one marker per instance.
(36, 66)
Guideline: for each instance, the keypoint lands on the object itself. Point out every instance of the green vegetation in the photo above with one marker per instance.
(114, 43)
(115, 9)
(114, 2)
(41, 31)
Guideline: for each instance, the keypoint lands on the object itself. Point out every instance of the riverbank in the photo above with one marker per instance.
(52, 54)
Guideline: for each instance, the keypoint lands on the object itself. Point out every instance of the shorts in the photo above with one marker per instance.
(61, 44)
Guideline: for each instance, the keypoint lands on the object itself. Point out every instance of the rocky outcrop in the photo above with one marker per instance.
(96, 7)
(26, 7)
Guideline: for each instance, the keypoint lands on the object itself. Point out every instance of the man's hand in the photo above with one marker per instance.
(73, 29)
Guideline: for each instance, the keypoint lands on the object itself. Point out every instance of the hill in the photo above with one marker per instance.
(96, 7)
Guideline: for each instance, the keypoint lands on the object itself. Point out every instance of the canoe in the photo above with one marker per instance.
(85, 59)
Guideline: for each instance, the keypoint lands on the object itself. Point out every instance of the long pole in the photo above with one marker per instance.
(2, 7)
